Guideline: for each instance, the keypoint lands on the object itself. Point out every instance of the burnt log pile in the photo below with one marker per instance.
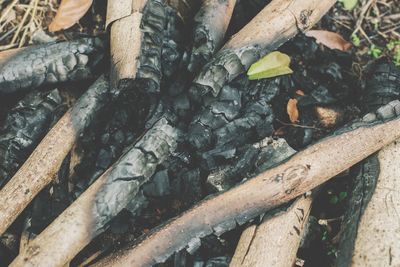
(172, 156)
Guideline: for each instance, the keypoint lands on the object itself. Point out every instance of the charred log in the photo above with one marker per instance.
(50, 63)
(259, 37)
(375, 182)
(141, 63)
(303, 172)
(210, 25)
(44, 162)
(24, 127)
(104, 199)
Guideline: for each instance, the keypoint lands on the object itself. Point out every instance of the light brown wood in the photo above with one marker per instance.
(276, 240)
(285, 19)
(40, 168)
(123, 19)
(303, 172)
(86, 217)
(378, 234)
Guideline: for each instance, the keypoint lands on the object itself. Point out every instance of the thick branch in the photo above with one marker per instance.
(24, 127)
(210, 25)
(274, 25)
(136, 35)
(301, 173)
(104, 199)
(276, 240)
(50, 63)
(46, 159)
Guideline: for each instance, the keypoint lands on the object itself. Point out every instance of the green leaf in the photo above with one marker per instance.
(272, 65)
(349, 4)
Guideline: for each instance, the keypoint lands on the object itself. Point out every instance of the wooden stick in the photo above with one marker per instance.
(371, 225)
(59, 243)
(210, 25)
(136, 34)
(276, 240)
(40, 168)
(275, 24)
(303, 172)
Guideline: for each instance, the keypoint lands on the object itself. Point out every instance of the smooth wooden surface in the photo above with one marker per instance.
(276, 240)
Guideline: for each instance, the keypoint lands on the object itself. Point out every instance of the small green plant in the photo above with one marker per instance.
(349, 4)
(394, 49)
(375, 51)
(355, 40)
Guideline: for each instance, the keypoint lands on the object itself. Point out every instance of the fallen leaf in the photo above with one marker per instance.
(69, 13)
(292, 110)
(331, 40)
(272, 65)
(300, 92)
(349, 4)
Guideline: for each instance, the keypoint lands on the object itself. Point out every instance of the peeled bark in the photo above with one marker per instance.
(276, 240)
(24, 127)
(136, 34)
(210, 25)
(38, 171)
(303, 172)
(274, 25)
(50, 63)
(104, 199)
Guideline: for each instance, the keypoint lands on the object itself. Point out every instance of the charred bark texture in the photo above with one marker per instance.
(24, 127)
(103, 200)
(44, 162)
(274, 25)
(303, 172)
(51, 63)
(241, 114)
(375, 182)
(137, 34)
(210, 25)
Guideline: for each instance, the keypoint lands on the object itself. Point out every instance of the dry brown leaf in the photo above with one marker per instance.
(300, 92)
(331, 40)
(69, 13)
(292, 110)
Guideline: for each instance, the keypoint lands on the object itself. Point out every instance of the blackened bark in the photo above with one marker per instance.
(150, 60)
(103, 200)
(24, 127)
(382, 86)
(51, 63)
(210, 25)
(241, 114)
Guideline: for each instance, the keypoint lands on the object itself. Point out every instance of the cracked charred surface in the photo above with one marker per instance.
(104, 199)
(255, 40)
(24, 127)
(267, 190)
(46, 159)
(370, 237)
(210, 25)
(139, 26)
(241, 114)
(50, 63)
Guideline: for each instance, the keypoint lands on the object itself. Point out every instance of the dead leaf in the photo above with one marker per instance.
(69, 13)
(300, 92)
(292, 110)
(331, 40)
